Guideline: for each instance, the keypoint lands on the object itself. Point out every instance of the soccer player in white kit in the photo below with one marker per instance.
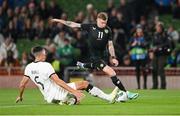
(54, 89)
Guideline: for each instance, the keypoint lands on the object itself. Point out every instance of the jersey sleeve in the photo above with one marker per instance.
(50, 70)
(85, 27)
(27, 72)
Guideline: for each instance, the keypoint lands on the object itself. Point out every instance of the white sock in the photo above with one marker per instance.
(99, 93)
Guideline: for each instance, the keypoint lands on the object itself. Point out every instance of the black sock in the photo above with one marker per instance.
(88, 65)
(118, 83)
(89, 87)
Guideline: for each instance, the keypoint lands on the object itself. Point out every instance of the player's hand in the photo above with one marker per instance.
(114, 61)
(19, 99)
(79, 95)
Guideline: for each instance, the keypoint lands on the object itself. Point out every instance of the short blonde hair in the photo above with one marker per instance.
(103, 16)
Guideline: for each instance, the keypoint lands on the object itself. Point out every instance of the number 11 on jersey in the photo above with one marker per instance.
(100, 35)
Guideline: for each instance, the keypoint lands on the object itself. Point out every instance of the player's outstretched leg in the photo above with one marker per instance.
(96, 92)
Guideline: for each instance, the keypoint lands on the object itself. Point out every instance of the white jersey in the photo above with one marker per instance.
(40, 73)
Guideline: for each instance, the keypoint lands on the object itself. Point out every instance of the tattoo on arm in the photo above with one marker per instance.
(72, 24)
(68, 23)
(111, 48)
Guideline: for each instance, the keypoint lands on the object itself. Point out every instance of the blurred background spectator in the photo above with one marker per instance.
(139, 55)
(162, 48)
(9, 52)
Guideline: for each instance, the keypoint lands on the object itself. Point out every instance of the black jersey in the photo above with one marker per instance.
(98, 39)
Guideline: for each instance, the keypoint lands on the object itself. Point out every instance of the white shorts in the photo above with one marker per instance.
(62, 93)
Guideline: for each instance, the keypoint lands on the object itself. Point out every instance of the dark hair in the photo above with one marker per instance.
(103, 16)
(36, 50)
(161, 25)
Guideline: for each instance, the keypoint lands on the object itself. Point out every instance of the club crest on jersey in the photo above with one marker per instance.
(101, 65)
(106, 31)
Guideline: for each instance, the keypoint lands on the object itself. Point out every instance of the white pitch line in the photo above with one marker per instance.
(14, 106)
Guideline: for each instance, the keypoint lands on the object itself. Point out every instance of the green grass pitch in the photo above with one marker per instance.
(158, 102)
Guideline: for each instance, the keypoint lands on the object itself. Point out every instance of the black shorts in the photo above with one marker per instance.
(98, 64)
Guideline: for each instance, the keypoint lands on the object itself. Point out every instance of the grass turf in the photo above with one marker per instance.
(150, 102)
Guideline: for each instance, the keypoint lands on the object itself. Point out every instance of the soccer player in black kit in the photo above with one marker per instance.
(100, 36)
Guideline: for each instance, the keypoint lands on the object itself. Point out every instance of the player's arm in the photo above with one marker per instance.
(111, 49)
(67, 23)
(113, 59)
(61, 83)
(22, 86)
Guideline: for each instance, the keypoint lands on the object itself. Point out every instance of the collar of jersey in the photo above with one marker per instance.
(100, 28)
(37, 61)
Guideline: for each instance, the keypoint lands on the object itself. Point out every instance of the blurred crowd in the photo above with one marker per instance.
(135, 25)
